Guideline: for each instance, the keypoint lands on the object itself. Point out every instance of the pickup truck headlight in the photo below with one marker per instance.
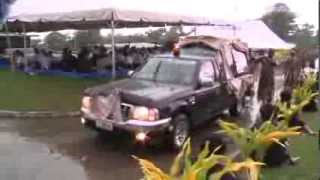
(86, 102)
(145, 114)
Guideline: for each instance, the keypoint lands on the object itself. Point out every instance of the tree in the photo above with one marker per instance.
(281, 21)
(165, 37)
(172, 36)
(137, 38)
(87, 37)
(119, 38)
(316, 38)
(306, 42)
(35, 42)
(56, 41)
(304, 36)
(160, 36)
(281, 7)
(156, 36)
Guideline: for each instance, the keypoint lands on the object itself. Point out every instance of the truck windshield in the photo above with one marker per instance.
(171, 71)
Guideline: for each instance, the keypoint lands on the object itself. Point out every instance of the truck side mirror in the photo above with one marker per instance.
(130, 73)
(206, 81)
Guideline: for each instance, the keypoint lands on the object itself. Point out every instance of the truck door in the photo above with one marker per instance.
(207, 96)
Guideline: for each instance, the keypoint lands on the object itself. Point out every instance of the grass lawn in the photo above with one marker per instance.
(306, 147)
(19, 91)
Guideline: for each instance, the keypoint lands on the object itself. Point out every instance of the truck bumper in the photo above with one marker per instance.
(131, 125)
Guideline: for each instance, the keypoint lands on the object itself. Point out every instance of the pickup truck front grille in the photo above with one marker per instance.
(125, 110)
(101, 108)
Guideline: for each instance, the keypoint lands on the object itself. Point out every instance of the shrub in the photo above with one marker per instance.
(256, 141)
(185, 169)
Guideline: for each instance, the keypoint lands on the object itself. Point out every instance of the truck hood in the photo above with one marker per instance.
(142, 92)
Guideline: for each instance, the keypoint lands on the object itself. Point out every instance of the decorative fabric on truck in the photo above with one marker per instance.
(109, 108)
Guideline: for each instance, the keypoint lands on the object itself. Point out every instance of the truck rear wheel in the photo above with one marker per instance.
(180, 132)
(234, 110)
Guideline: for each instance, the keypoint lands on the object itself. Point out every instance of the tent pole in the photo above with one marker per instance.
(113, 48)
(318, 67)
(75, 47)
(9, 44)
(24, 36)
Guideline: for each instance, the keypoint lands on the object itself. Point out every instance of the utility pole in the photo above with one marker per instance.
(113, 48)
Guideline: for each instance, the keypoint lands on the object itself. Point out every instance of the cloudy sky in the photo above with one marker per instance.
(307, 10)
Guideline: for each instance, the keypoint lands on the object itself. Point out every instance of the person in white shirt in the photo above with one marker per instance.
(44, 60)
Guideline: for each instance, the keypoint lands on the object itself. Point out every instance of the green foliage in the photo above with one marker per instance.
(166, 37)
(281, 55)
(156, 36)
(56, 41)
(280, 20)
(184, 168)
(252, 142)
(256, 141)
(119, 38)
(23, 92)
(306, 147)
(302, 95)
(35, 42)
(87, 37)
(304, 36)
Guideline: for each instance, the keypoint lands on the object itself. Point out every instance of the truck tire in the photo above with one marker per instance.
(234, 109)
(180, 132)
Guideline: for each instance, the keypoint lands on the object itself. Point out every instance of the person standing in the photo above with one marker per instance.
(84, 64)
(68, 62)
(266, 80)
(292, 71)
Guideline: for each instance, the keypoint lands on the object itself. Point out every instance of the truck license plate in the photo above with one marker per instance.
(105, 125)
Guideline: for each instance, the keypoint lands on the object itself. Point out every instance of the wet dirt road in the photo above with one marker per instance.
(61, 149)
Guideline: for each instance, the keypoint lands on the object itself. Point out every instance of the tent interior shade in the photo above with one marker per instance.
(255, 33)
(95, 19)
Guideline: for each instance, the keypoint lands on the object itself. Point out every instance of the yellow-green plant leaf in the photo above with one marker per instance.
(150, 171)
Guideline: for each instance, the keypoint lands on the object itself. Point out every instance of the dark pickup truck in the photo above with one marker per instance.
(169, 95)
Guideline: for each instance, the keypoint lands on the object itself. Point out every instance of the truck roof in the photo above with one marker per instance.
(187, 57)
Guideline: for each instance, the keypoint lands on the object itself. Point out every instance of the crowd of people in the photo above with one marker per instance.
(94, 59)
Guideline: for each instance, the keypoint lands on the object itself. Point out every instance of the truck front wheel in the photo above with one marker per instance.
(180, 132)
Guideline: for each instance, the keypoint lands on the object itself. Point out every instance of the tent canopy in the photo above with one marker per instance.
(255, 33)
(96, 19)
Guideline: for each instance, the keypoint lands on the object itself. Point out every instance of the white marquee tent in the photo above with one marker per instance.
(102, 18)
(255, 33)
